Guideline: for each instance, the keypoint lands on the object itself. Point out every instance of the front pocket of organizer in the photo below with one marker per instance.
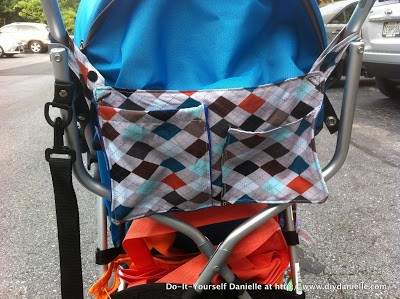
(158, 160)
(275, 166)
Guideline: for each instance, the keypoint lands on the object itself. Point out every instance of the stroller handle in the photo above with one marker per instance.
(55, 21)
(358, 17)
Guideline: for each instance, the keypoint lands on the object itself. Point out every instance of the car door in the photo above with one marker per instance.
(9, 31)
(336, 24)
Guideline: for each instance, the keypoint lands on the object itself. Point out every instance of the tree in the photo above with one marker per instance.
(31, 10)
(7, 12)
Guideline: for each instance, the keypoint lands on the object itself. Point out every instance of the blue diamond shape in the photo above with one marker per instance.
(273, 186)
(298, 165)
(167, 131)
(304, 125)
(172, 165)
(189, 103)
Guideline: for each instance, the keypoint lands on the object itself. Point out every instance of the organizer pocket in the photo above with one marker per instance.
(158, 160)
(275, 166)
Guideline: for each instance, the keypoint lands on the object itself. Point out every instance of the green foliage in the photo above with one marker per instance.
(7, 12)
(31, 11)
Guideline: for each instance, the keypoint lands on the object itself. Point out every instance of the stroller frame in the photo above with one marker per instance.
(217, 257)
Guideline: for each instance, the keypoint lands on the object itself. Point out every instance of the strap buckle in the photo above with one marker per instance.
(61, 106)
(59, 151)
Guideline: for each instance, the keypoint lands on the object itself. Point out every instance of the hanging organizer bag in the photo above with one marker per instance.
(184, 150)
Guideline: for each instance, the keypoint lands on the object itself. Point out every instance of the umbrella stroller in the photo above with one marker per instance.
(191, 107)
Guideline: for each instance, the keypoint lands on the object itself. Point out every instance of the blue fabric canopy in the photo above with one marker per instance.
(198, 44)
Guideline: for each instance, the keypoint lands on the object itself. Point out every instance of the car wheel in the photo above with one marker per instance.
(388, 87)
(1, 52)
(36, 46)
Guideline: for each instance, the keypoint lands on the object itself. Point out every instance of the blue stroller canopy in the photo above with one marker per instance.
(199, 44)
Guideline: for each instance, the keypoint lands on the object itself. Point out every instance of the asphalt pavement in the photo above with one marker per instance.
(355, 251)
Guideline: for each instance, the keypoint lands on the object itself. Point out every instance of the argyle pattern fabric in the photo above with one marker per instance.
(186, 150)
(258, 143)
(159, 159)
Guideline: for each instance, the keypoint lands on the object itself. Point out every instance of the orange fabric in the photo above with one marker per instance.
(261, 257)
(101, 290)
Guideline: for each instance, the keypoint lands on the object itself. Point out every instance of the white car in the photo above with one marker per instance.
(381, 34)
(34, 36)
(9, 46)
(336, 15)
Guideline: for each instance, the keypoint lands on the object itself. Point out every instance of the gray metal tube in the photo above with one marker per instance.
(348, 108)
(79, 169)
(102, 243)
(55, 21)
(59, 61)
(294, 260)
(225, 248)
(204, 245)
(359, 15)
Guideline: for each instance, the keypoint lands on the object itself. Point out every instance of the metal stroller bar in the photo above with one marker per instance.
(347, 112)
(358, 17)
(55, 21)
(204, 245)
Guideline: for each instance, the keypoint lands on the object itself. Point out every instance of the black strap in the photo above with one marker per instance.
(330, 118)
(68, 228)
(106, 256)
(291, 237)
(61, 160)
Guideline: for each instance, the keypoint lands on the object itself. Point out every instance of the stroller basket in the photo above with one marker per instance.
(179, 150)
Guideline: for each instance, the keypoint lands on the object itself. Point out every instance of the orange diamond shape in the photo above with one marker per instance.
(300, 185)
(174, 181)
(84, 70)
(106, 112)
(252, 103)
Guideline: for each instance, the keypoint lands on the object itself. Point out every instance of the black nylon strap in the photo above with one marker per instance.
(291, 237)
(68, 228)
(104, 257)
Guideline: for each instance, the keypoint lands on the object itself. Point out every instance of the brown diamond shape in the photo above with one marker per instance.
(222, 106)
(273, 167)
(132, 116)
(174, 198)
(201, 198)
(278, 117)
(198, 149)
(253, 141)
(109, 132)
(145, 170)
(196, 128)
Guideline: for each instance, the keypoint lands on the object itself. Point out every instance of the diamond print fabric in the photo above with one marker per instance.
(158, 160)
(187, 150)
(258, 144)
(279, 165)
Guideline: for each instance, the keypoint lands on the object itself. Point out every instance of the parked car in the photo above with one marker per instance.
(9, 46)
(34, 36)
(381, 34)
(336, 15)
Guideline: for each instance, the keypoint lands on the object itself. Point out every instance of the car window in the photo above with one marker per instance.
(344, 16)
(385, 2)
(9, 29)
